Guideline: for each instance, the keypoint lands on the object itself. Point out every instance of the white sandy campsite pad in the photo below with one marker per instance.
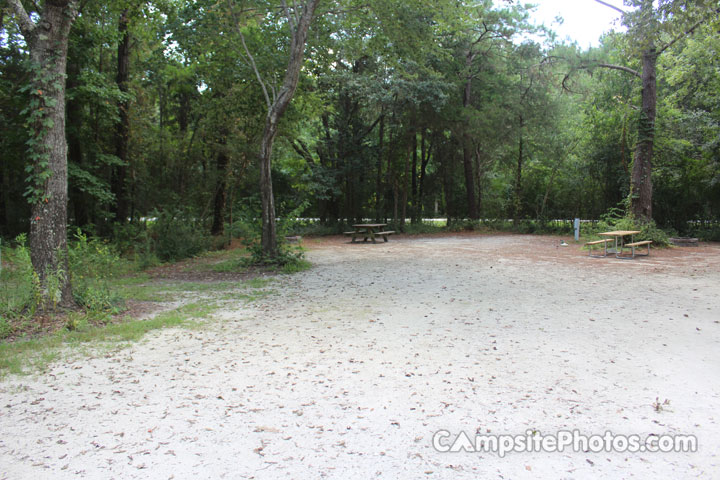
(349, 370)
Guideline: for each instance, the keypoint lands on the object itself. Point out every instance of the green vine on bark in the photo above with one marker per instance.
(39, 122)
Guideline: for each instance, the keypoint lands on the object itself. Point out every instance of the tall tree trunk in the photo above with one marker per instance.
(641, 179)
(541, 213)
(378, 180)
(5, 173)
(390, 179)
(78, 200)
(406, 180)
(298, 37)
(467, 151)
(446, 164)
(222, 162)
(479, 175)
(122, 132)
(413, 173)
(5, 195)
(396, 201)
(518, 176)
(469, 178)
(48, 43)
(425, 158)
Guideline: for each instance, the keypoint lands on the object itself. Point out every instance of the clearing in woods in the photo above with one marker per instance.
(348, 370)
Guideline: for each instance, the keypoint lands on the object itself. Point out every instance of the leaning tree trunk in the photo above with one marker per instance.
(47, 40)
(641, 180)
(298, 38)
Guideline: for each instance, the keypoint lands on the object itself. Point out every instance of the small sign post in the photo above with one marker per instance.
(577, 229)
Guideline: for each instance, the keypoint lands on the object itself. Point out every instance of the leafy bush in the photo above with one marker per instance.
(464, 226)
(93, 263)
(706, 232)
(176, 235)
(133, 240)
(615, 220)
(286, 256)
(5, 328)
(423, 227)
(249, 229)
(308, 227)
(20, 292)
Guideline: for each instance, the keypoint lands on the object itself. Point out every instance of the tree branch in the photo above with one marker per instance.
(602, 65)
(612, 6)
(249, 55)
(368, 130)
(621, 68)
(292, 18)
(686, 32)
(27, 27)
(301, 148)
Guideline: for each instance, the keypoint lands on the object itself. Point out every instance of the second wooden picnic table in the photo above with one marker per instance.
(368, 230)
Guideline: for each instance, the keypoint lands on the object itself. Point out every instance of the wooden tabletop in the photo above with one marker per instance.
(369, 225)
(619, 233)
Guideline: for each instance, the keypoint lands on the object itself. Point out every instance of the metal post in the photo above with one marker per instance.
(577, 229)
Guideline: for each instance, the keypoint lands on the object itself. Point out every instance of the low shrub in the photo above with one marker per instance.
(614, 219)
(420, 228)
(176, 235)
(706, 232)
(20, 292)
(93, 263)
(5, 328)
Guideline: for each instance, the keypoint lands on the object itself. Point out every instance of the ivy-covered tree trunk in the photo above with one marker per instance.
(641, 180)
(47, 40)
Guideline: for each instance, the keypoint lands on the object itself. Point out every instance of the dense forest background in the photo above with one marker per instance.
(405, 109)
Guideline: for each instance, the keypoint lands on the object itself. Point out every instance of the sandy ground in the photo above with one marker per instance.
(349, 370)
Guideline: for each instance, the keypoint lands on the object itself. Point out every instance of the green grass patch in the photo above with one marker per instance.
(86, 332)
(258, 282)
(421, 228)
(34, 355)
(299, 265)
(234, 253)
(222, 261)
(165, 292)
(232, 265)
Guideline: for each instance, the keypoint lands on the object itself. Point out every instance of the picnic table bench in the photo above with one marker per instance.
(602, 242)
(632, 246)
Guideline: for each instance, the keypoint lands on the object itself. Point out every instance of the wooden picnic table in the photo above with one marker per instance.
(368, 230)
(619, 236)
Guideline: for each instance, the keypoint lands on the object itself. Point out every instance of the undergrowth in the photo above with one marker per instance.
(615, 219)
